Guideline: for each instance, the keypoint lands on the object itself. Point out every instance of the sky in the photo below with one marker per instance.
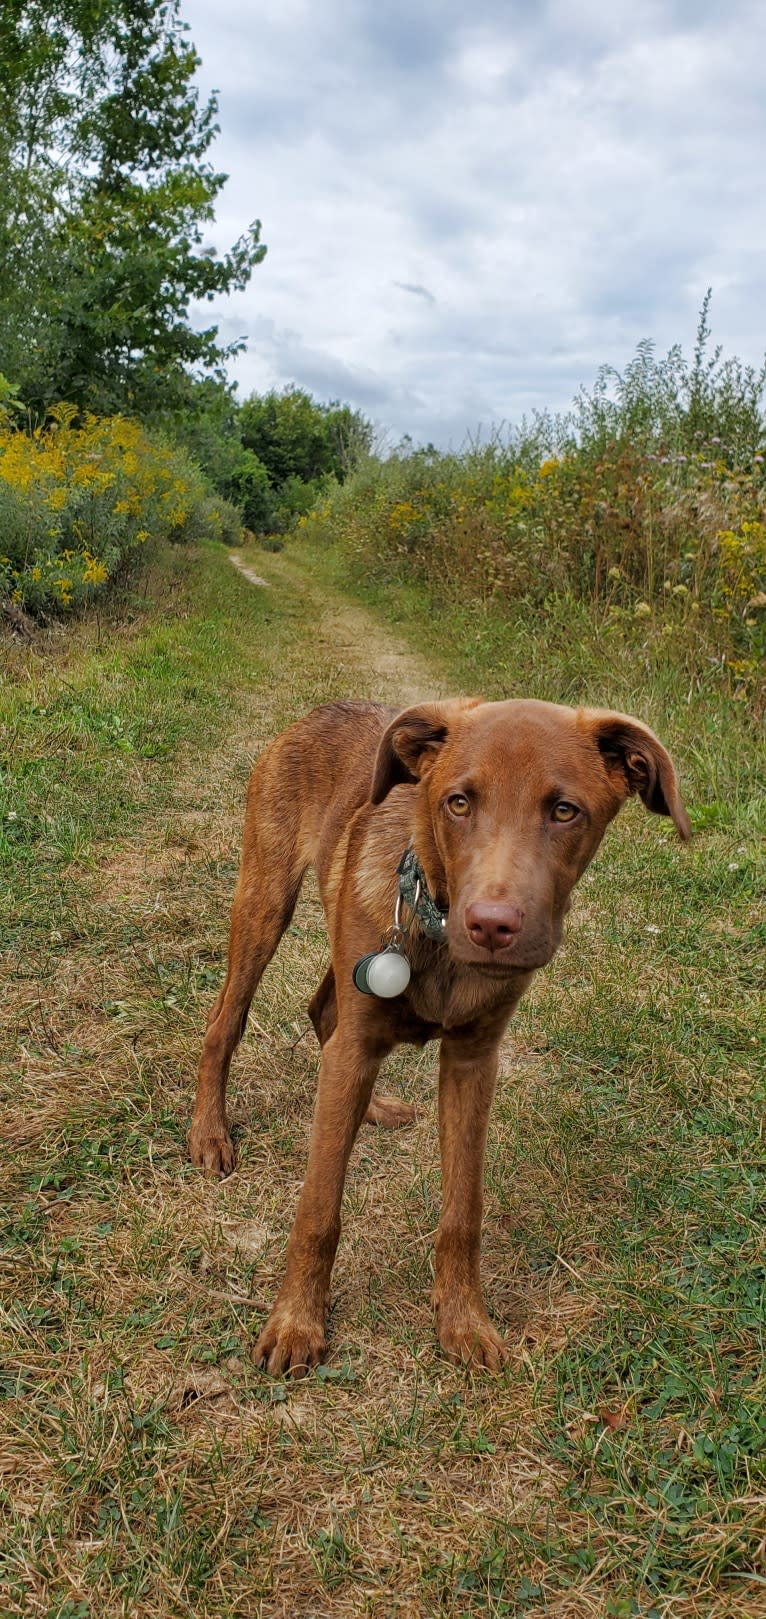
(470, 207)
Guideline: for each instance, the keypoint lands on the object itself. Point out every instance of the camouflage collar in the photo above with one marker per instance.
(414, 890)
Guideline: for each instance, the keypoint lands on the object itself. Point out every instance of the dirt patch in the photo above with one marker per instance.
(252, 577)
(382, 666)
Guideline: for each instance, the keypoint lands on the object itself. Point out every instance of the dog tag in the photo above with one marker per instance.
(384, 973)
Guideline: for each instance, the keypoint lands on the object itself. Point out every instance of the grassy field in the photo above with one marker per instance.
(618, 1466)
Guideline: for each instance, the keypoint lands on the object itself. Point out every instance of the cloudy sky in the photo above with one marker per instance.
(469, 207)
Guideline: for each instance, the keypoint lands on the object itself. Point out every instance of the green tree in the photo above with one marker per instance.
(288, 433)
(106, 192)
(301, 443)
(208, 425)
(350, 436)
(297, 437)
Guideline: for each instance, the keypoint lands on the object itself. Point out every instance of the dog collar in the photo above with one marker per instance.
(414, 890)
(386, 972)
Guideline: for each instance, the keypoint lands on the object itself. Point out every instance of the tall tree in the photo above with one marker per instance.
(297, 437)
(105, 194)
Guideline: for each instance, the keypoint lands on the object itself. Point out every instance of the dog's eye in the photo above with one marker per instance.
(564, 811)
(458, 804)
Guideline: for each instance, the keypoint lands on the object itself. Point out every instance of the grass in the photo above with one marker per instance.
(618, 1466)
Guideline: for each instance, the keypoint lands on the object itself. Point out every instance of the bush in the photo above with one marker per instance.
(221, 521)
(79, 505)
(639, 536)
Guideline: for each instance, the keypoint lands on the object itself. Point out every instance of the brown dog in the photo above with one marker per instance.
(504, 805)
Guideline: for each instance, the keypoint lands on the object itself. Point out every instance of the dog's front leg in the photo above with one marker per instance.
(467, 1078)
(293, 1338)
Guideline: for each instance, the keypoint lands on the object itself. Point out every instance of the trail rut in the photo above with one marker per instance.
(384, 666)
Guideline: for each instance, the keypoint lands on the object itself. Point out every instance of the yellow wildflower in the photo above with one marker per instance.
(94, 572)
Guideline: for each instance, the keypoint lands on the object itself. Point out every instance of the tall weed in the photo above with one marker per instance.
(647, 502)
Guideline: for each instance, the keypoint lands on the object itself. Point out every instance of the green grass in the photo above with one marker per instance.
(618, 1467)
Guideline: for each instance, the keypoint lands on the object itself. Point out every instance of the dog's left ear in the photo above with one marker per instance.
(412, 742)
(637, 762)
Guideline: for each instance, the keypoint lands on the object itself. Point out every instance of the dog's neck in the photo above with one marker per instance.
(416, 895)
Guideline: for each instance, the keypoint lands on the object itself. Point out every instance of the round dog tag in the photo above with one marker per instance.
(388, 974)
(383, 972)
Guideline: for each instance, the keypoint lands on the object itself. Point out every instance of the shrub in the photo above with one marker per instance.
(635, 527)
(79, 504)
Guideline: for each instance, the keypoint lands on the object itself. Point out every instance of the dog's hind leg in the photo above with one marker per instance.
(272, 870)
(389, 1112)
(323, 1008)
(258, 921)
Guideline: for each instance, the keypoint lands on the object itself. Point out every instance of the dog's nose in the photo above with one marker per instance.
(493, 926)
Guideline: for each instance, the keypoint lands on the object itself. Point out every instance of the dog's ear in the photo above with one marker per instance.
(412, 742)
(637, 762)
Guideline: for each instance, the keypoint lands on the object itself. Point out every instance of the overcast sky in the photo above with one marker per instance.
(469, 207)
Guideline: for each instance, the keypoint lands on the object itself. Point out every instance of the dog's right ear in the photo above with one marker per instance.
(412, 742)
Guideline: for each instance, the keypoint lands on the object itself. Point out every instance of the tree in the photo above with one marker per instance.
(105, 193)
(296, 437)
(208, 425)
(288, 433)
(301, 443)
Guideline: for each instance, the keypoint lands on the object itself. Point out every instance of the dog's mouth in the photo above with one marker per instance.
(503, 963)
(523, 955)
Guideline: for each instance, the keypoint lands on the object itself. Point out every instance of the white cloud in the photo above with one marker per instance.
(467, 211)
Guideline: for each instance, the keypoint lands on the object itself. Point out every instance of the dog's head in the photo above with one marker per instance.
(514, 800)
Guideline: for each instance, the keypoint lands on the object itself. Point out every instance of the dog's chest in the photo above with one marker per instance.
(444, 994)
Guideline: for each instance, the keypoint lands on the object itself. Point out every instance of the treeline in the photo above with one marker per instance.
(273, 454)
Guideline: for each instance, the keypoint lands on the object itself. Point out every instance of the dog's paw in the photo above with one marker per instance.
(212, 1151)
(390, 1113)
(468, 1337)
(290, 1344)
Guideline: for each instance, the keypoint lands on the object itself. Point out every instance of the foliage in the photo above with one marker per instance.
(79, 504)
(10, 402)
(671, 404)
(105, 193)
(639, 504)
(301, 443)
(208, 425)
(297, 437)
(272, 455)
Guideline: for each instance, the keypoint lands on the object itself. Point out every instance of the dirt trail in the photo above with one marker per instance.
(385, 667)
(350, 654)
(248, 573)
